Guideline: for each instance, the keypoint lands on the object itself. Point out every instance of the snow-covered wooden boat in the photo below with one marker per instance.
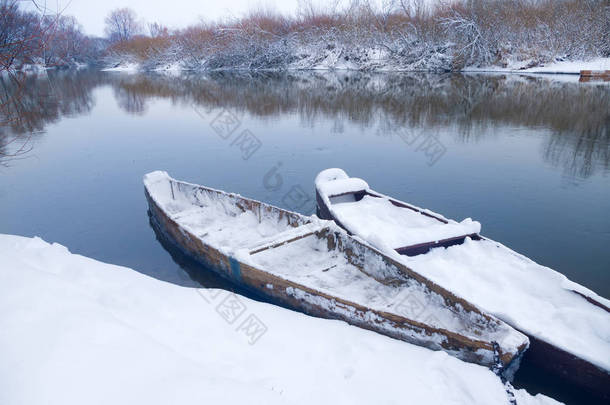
(568, 325)
(313, 266)
(595, 73)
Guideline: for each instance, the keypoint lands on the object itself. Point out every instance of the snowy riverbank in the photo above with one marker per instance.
(557, 67)
(75, 330)
(372, 60)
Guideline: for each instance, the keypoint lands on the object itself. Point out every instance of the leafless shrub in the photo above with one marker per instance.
(22, 35)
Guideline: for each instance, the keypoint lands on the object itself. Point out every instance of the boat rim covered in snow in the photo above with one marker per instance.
(281, 266)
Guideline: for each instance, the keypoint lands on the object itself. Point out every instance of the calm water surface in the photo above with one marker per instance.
(527, 157)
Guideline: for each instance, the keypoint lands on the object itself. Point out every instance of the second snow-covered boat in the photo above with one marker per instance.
(568, 324)
(313, 266)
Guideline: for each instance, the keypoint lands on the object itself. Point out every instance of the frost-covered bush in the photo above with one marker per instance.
(493, 31)
(244, 51)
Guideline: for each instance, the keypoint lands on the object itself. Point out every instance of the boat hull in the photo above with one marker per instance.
(568, 369)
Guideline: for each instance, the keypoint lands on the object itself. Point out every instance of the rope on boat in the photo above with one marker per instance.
(497, 366)
(498, 369)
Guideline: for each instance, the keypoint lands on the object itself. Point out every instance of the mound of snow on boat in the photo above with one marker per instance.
(377, 219)
(75, 330)
(533, 298)
(213, 217)
(374, 217)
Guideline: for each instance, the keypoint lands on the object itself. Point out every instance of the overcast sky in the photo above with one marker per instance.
(173, 13)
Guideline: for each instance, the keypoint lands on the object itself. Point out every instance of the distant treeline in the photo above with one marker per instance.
(405, 34)
(35, 36)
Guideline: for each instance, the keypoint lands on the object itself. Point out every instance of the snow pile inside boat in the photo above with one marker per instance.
(219, 219)
(71, 325)
(379, 286)
(532, 298)
(376, 218)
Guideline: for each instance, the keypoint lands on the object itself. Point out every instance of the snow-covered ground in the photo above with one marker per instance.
(123, 67)
(563, 67)
(77, 331)
(368, 59)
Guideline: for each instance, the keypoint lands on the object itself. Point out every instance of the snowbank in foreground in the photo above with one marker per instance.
(74, 330)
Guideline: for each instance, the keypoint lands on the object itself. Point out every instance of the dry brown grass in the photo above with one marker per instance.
(142, 47)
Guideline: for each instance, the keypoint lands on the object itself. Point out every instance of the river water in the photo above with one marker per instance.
(528, 157)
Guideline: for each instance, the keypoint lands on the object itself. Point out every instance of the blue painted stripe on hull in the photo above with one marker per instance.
(235, 270)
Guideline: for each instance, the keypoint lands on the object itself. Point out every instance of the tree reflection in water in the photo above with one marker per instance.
(577, 115)
(28, 103)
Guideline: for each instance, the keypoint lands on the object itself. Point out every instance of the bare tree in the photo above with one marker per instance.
(414, 8)
(21, 34)
(122, 25)
(66, 42)
(157, 30)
